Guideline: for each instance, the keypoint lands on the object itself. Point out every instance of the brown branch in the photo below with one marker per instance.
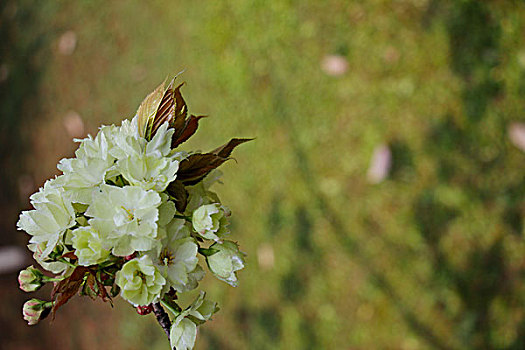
(162, 318)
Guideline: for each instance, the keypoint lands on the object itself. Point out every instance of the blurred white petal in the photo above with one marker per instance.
(334, 65)
(379, 164)
(516, 132)
(67, 43)
(265, 256)
(12, 259)
(74, 124)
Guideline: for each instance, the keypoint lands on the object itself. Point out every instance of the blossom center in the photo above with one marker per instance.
(141, 276)
(129, 213)
(166, 257)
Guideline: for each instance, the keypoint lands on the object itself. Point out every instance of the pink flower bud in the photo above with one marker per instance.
(30, 279)
(35, 310)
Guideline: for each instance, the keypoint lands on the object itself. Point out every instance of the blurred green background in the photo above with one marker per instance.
(430, 257)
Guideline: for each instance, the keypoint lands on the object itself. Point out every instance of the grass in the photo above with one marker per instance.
(430, 258)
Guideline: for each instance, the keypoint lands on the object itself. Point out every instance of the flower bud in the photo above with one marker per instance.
(210, 221)
(35, 310)
(130, 257)
(30, 279)
(144, 309)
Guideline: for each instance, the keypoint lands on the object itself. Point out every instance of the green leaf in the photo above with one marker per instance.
(204, 311)
(170, 304)
(183, 334)
(207, 251)
(79, 208)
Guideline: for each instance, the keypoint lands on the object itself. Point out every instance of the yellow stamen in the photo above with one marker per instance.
(129, 212)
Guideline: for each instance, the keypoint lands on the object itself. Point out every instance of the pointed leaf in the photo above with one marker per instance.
(67, 288)
(207, 251)
(166, 109)
(187, 131)
(178, 192)
(89, 288)
(180, 110)
(114, 291)
(172, 109)
(226, 150)
(194, 168)
(148, 109)
(102, 293)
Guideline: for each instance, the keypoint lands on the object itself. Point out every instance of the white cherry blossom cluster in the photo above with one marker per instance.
(111, 225)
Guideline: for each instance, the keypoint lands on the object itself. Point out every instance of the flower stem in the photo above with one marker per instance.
(62, 260)
(46, 279)
(187, 218)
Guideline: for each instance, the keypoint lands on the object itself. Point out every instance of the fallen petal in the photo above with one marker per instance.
(516, 132)
(380, 164)
(265, 256)
(334, 65)
(74, 124)
(67, 43)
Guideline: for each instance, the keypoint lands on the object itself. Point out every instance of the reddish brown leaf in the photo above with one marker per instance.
(78, 274)
(178, 192)
(172, 109)
(165, 111)
(67, 288)
(90, 282)
(191, 125)
(70, 255)
(226, 150)
(102, 292)
(90, 289)
(181, 110)
(166, 104)
(194, 168)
